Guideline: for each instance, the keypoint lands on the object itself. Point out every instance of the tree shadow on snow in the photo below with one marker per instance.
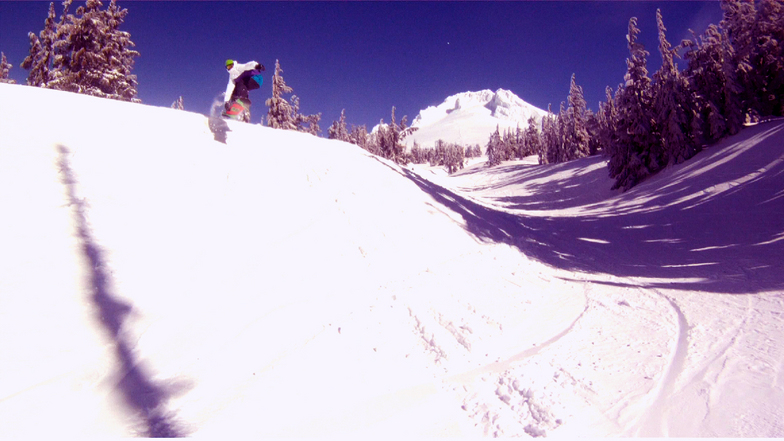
(713, 224)
(144, 396)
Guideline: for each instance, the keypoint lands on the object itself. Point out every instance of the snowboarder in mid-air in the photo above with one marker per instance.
(242, 79)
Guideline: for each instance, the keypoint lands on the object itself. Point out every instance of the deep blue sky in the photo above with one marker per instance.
(366, 57)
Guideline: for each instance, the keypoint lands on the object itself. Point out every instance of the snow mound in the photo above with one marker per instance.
(470, 118)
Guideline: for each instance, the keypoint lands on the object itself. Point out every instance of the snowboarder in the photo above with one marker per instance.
(242, 79)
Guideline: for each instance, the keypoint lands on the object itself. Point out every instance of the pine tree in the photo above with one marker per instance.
(592, 127)
(576, 133)
(712, 77)
(556, 151)
(92, 55)
(738, 21)
(41, 57)
(178, 104)
(767, 57)
(607, 121)
(672, 101)
(61, 46)
(549, 138)
(532, 137)
(117, 79)
(417, 154)
(5, 66)
(507, 146)
(629, 161)
(338, 128)
(495, 149)
(301, 120)
(280, 111)
(390, 138)
(358, 136)
(454, 158)
(756, 33)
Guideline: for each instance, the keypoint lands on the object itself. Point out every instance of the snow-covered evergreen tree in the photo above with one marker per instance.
(549, 138)
(454, 158)
(630, 160)
(532, 137)
(39, 61)
(358, 135)
(711, 73)
(93, 56)
(280, 111)
(738, 21)
(521, 150)
(117, 78)
(555, 146)
(304, 123)
(418, 154)
(390, 138)
(672, 104)
(178, 104)
(5, 66)
(508, 146)
(769, 57)
(607, 121)
(338, 129)
(756, 30)
(495, 148)
(576, 133)
(592, 127)
(285, 115)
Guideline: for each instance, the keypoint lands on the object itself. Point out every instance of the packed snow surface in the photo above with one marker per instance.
(156, 282)
(470, 118)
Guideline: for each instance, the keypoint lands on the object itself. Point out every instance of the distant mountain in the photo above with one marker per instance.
(470, 118)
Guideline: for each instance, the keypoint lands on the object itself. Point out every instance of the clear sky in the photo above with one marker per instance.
(366, 57)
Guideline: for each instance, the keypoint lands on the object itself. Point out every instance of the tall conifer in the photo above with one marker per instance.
(279, 115)
(5, 66)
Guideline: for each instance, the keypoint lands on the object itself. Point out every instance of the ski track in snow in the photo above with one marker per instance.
(654, 420)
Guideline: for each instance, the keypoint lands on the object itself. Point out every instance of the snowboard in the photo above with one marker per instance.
(239, 110)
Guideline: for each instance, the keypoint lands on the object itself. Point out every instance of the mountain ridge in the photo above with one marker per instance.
(469, 118)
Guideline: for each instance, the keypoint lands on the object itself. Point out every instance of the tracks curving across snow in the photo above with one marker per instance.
(654, 421)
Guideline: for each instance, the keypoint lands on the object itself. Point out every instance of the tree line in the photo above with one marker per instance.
(734, 74)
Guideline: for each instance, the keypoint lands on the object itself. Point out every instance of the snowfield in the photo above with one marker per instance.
(470, 118)
(156, 282)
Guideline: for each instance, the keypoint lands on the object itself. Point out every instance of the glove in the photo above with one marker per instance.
(260, 67)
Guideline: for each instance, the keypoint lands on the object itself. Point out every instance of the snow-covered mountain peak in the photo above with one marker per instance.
(502, 104)
(471, 117)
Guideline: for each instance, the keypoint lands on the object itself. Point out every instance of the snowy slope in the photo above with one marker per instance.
(156, 282)
(471, 117)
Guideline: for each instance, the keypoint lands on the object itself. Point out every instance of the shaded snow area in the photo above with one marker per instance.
(156, 282)
(470, 118)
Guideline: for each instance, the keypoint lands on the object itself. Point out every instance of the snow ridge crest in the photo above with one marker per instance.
(503, 105)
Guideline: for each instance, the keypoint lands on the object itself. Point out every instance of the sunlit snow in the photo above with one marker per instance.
(470, 118)
(156, 282)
